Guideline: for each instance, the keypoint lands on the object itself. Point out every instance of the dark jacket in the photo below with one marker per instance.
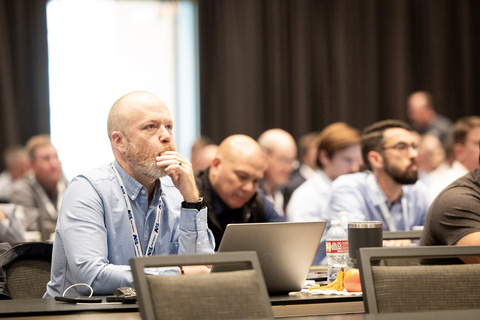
(252, 211)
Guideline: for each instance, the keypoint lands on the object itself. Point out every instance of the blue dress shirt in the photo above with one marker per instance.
(352, 193)
(93, 239)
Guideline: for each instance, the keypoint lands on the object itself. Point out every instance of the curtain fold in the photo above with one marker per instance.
(24, 97)
(303, 64)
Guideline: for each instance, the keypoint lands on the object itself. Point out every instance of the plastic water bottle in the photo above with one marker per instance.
(337, 250)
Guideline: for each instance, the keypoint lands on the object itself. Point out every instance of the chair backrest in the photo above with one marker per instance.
(239, 294)
(26, 270)
(419, 288)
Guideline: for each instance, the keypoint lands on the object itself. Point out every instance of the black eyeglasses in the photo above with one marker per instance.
(403, 147)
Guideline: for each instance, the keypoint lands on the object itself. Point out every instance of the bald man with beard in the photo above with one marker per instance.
(143, 203)
(229, 186)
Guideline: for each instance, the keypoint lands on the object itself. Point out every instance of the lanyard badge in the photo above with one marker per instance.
(133, 227)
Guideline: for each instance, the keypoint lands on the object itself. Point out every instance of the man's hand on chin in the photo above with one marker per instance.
(179, 169)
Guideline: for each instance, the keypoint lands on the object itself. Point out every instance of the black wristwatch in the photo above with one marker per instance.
(193, 205)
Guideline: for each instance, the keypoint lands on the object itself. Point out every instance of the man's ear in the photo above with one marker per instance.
(323, 157)
(376, 159)
(215, 162)
(459, 148)
(118, 140)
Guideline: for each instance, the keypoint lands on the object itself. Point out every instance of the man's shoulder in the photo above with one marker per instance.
(103, 172)
(355, 180)
(22, 184)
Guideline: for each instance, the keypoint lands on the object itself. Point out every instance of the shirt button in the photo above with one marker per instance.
(198, 219)
(198, 242)
(143, 191)
(133, 197)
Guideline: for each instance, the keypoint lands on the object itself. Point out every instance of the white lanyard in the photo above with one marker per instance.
(131, 218)
(383, 206)
(47, 203)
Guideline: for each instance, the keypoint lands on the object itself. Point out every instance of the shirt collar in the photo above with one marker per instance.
(132, 186)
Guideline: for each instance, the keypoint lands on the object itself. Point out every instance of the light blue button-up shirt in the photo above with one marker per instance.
(352, 193)
(93, 239)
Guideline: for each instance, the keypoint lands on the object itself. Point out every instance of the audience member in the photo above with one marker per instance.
(423, 117)
(431, 157)
(123, 210)
(230, 186)
(280, 152)
(389, 192)
(307, 156)
(204, 156)
(454, 217)
(338, 153)
(17, 165)
(11, 227)
(198, 144)
(466, 138)
(41, 193)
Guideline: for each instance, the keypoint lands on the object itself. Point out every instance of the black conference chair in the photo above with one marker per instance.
(419, 288)
(239, 294)
(25, 270)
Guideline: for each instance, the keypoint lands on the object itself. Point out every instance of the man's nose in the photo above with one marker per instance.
(164, 135)
(249, 186)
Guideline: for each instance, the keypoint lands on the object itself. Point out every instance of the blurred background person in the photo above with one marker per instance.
(204, 156)
(280, 152)
(11, 223)
(41, 193)
(307, 163)
(230, 186)
(338, 153)
(424, 119)
(17, 164)
(466, 139)
(197, 145)
(431, 157)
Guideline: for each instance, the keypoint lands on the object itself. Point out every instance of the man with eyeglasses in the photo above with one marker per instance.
(388, 190)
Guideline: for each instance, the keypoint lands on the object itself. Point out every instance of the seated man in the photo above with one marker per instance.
(280, 152)
(389, 192)
(41, 193)
(466, 137)
(454, 217)
(338, 153)
(230, 186)
(17, 164)
(123, 210)
(11, 227)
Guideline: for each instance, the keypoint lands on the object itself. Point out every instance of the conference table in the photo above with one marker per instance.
(43, 309)
(300, 304)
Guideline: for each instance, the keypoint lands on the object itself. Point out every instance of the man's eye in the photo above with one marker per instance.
(150, 126)
(169, 126)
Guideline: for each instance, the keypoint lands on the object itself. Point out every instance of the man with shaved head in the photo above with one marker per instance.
(424, 119)
(143, 203)
(280, 151)
(230, 186)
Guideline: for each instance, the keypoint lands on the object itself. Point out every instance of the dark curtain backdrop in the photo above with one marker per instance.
(24, 98)
(303, 64)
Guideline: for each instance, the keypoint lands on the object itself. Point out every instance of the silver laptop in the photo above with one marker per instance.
(285, 249)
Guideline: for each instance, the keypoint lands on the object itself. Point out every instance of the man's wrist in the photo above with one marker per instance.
(199, 204)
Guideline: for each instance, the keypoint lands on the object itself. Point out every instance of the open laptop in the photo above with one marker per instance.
(285, 250)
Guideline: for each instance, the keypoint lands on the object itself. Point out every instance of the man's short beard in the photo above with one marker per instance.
(402, 177)
(142, 159)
